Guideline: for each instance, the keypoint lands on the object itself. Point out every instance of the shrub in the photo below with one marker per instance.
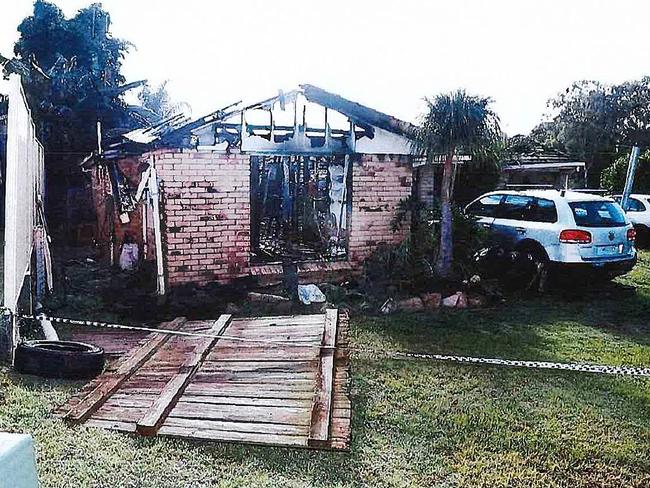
(613, 177)
(409, 266)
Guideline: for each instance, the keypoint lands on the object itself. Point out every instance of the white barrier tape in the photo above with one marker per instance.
(585, 368)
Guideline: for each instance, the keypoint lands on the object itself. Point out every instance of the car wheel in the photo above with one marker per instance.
(59, 359)
(538, 282)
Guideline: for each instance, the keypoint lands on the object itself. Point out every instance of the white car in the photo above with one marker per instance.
(563, 228)
(638, 213)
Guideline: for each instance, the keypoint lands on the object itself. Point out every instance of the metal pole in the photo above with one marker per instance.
(629, 179)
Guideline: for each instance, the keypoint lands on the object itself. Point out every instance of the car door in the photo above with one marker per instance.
(510, 223)
(541, 225)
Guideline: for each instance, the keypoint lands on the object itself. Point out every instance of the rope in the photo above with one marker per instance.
(89, 323)
(397, 355)
(582, 367)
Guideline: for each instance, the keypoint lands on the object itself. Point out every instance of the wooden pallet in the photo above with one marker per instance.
(114, 342)
(230, 390)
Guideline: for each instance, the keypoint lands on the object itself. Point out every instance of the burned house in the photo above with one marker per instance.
(305, 176)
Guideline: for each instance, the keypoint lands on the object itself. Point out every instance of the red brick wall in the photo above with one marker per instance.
(206, 214)
(206, 211)
(378, 184)
(426, 187)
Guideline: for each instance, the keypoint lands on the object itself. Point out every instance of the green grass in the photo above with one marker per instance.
(415, 423)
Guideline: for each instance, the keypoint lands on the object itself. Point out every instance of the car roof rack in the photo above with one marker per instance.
(529, 187)
(595, 191)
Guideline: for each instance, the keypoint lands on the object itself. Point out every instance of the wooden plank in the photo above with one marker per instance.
(155, 416)
(243, 389)
(238, 413)
(113, 342)
(118, 413)
(343, 402)
(126, 368)
(261, 340)
(293, 319)
(322, 407)
(261, 353)
(340, 428)
(112, 425)
(226, 436)
(307, 324)
(139, 390)
(222, 425)
(128, 401)
(243, 392)
(272, 329)
(284, 335)
(249, 401)
(252, 377)
(247, 391)
(341, 413)
(306, 387)
(262, 366)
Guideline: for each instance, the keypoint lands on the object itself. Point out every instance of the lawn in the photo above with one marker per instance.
(415, 422)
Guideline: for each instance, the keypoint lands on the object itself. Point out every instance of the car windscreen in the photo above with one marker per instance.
(598, 214)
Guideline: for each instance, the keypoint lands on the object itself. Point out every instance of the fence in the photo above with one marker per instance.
(25, 181)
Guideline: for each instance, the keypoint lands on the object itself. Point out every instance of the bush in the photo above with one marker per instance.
(613, 177)
(410, 265)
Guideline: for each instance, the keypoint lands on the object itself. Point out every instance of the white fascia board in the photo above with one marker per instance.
(384, 142)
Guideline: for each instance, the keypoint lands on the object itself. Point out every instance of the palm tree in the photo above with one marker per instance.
(455, 123)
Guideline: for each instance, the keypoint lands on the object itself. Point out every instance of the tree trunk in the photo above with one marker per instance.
(445, 251)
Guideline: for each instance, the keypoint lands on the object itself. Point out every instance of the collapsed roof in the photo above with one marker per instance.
(308, 120)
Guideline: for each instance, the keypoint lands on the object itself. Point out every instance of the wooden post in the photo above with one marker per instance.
(99, 138)
(344, 198)
(322, 405)
(145, 244)
(154, 192)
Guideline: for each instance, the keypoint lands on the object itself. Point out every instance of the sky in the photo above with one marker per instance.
(388, 55)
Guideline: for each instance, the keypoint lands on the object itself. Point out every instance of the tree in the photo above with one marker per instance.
(596, 122)
(83, 83)
(585, 120)
(72, 73)
(455, 123)
(632, 102)
(158, 101)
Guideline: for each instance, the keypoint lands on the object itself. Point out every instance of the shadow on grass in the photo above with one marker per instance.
(544, 328)
(417, 421)
(318, 468)
(471, 414)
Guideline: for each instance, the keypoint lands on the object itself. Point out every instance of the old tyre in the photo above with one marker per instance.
(59, 359)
